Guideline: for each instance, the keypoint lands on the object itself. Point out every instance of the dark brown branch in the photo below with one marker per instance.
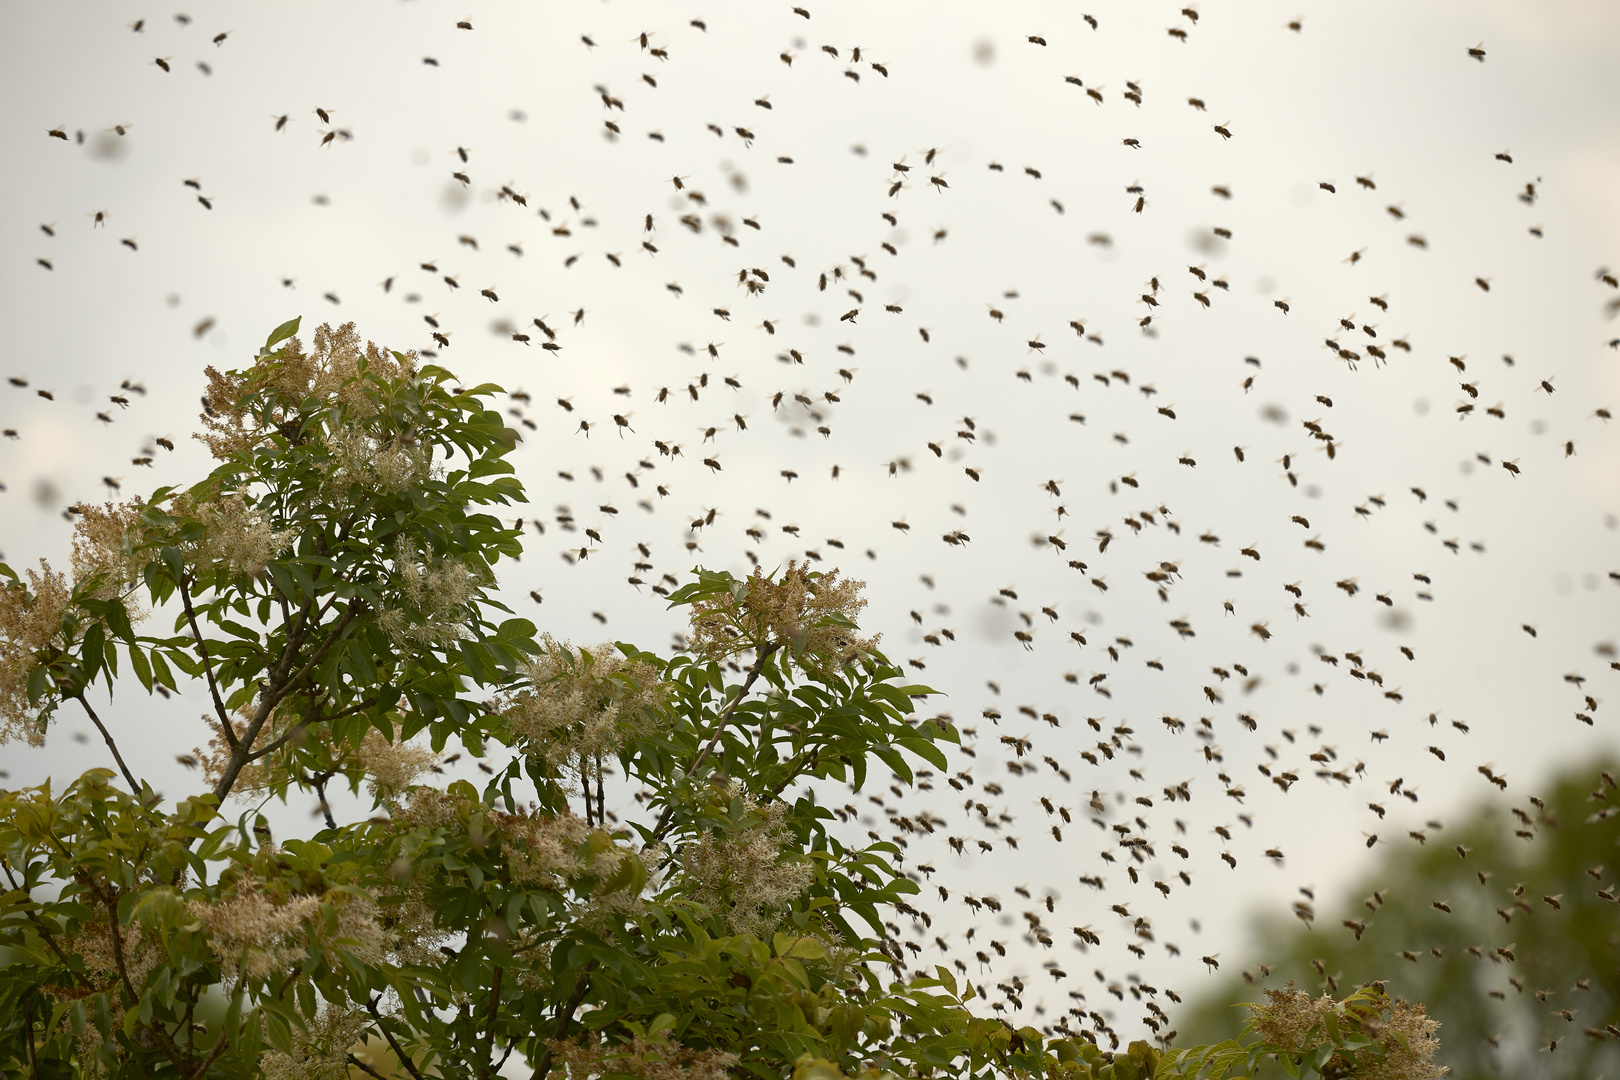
(564, 1018)
(161, 1037)
(489, 1023)
(601, 799)
(796, 771)
(105, 734)
(208, 666)
(326, 807)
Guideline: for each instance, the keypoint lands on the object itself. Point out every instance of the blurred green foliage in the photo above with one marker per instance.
(1504, 924)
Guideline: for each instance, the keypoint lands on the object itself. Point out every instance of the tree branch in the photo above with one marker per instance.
(326, 809)
(208, 666)
(105, 734)
(39, 924)
(161, 1037)
(564, 1018)
(28, 1031)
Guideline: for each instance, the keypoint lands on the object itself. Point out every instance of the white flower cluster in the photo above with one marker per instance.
(438, 590)
(742, 875)
(583, 703)
(255, 932)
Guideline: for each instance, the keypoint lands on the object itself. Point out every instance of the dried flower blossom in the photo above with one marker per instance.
(658, 1058)
(811, 614)
(583, 703)
(320, 1050)
(30, 620)
(741, 875)
(330, 373)
(1405, 1033)
(106, 543)
(255, 931)
(392, 765)
(256, 777)
(96, 947)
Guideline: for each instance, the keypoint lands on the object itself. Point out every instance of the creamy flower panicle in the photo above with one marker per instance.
(30, 619)
(256, 931)
(329, 373)
(582, 703)
(107, 544)
(322, 1051)
(743, 876)
(439, 590)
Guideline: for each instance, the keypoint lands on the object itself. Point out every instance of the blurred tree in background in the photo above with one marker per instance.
(1521, 965)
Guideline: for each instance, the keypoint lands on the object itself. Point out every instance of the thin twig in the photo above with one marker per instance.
(105, 734)
(280, 687)
(719, 729)
(601, 799)
(326, 808)
(218, 1048)
(28, 1026)
(796, 771)
(404, 1059)
(363, 1067)
(208, 666)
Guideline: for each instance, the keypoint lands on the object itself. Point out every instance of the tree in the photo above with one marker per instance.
(1512, 960)
(330, 586)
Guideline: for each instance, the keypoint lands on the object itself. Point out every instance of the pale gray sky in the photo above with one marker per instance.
(1382, 90)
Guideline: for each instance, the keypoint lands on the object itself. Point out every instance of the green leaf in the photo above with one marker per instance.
(282, 333)
(160, 670)
(143, 667)
(92, 650)
(806, 948)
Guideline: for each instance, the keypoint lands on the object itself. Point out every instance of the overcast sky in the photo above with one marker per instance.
(1375, 173)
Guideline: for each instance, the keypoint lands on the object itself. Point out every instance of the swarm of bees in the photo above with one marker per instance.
(1165, 663)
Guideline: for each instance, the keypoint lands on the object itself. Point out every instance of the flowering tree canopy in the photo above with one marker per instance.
(328, 590)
